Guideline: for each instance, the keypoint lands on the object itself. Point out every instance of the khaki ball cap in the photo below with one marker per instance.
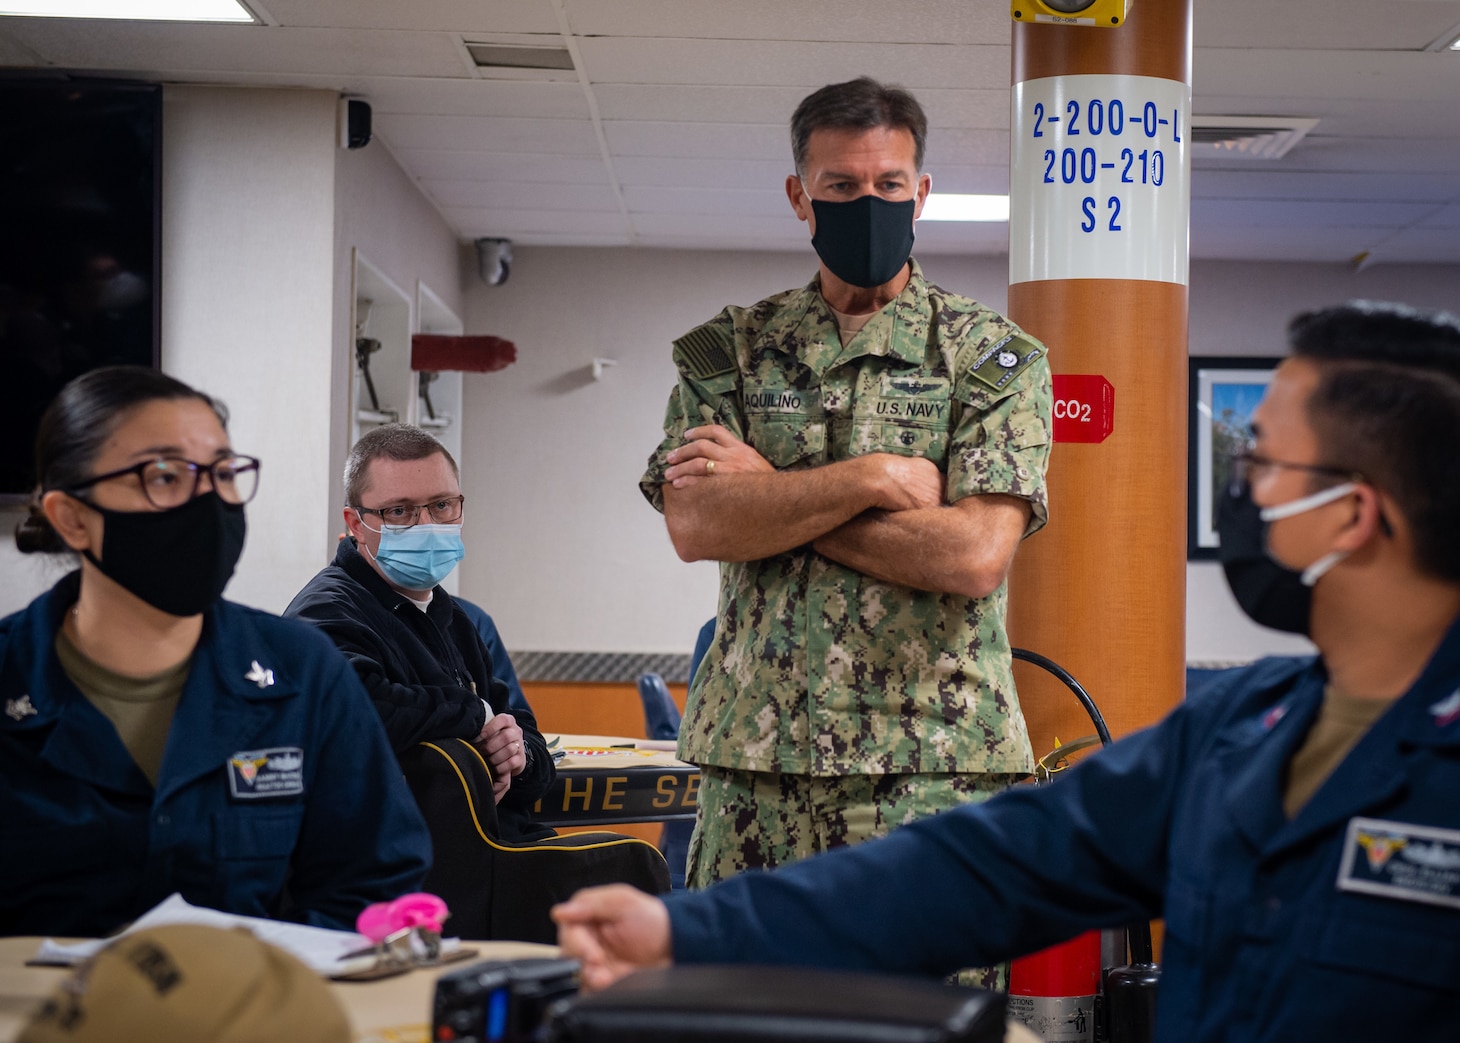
(190, 984)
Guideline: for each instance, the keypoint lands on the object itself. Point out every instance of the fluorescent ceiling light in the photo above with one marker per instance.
(136, 10)
(947, 206)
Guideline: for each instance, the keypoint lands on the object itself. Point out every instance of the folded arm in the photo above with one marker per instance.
(724, 502)
(965, 548)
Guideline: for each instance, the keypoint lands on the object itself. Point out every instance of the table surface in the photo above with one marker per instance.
(390, 1010)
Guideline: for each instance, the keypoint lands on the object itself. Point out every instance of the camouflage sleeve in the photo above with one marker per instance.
(707, 393)
(1001, 441)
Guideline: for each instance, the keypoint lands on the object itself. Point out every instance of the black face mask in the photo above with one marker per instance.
(864, 242)
(177, 561)
(1271, 594)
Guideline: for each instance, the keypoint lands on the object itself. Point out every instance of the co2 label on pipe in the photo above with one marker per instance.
(1100, 185)
(1084, 408)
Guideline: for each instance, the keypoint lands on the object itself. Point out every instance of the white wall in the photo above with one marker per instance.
(563, 549)
(380, 214)
(247, 283)
(260, 212)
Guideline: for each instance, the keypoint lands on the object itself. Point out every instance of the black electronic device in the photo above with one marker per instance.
(357, 123)
(500, 1001)
(79, 245)
(748, 1004)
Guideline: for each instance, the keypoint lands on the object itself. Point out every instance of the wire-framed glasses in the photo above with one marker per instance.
(1247, 463)
(446, 511)
(171, 481)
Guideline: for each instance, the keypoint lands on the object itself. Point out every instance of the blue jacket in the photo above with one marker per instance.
(1343, 923)
(278, 794)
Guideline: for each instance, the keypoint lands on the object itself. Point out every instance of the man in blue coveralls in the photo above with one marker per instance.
(1297, 826)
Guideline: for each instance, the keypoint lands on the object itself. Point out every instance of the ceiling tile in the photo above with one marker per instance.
(501, 195)
(791, 63)
(868, 21)
(489, 133)
(730, 140)
(754, 202)
(1446, 217)
(1279, 184)
(739, 226)
(497, 16)
(1344, 25)
(1289, 213)
(1320, 75)
(476, 98)
(702, 174)
(491, 165)
(979, 109)
(1215, 241)
(513, 223)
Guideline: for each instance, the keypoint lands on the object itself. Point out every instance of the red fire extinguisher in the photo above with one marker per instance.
(1053, 991)
(1058, 992)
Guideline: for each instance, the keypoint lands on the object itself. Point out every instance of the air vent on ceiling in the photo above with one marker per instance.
(1246, 137)
(513, 56)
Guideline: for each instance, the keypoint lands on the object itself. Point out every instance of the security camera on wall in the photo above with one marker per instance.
(494, 260)
(1105, 13)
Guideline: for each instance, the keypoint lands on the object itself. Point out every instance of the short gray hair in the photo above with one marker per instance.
(391, 442)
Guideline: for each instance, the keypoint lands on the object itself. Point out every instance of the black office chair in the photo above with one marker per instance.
(497, 890)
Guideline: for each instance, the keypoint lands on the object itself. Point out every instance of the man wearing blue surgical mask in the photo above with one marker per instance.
(863, 455)
(418, 654)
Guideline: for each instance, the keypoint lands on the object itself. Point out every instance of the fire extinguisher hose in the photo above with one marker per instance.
(1138, 936)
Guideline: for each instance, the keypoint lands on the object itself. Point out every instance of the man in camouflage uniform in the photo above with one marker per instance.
(863, 456)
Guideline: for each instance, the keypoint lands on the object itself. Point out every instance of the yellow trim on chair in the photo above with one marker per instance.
(618, 839)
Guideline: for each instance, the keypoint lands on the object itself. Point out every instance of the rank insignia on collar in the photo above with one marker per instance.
(259, 676)
(1447, 711)
(20, 709)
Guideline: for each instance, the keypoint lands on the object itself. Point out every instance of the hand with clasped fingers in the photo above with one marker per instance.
(709, 451)
(501, 743)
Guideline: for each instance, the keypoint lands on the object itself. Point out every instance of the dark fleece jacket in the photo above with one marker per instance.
(427, 672)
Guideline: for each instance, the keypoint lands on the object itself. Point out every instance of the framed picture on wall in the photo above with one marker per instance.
(1224, 390)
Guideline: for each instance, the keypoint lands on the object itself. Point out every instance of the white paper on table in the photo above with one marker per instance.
(323, 950)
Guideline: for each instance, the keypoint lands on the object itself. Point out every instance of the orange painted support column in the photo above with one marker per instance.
(1098, 271)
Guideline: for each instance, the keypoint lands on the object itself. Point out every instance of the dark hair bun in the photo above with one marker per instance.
(34, 534)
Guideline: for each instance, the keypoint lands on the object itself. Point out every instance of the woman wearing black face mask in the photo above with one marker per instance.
(156, 739)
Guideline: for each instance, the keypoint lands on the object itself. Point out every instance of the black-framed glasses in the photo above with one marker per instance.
(171, 481)
(445, 511)
(1247, 461)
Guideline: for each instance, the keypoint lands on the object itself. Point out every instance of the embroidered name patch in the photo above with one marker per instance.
(1399, 860)
(257, 774)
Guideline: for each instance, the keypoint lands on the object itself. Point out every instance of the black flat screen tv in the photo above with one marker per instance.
(80, 245)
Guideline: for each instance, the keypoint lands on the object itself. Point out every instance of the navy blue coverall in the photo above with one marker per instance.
(1341, 923)
(279, 795)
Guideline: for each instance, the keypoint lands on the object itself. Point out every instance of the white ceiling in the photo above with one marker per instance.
(671, 131)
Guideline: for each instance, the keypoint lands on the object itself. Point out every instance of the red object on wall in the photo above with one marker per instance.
(433, 352)
(1084, 408)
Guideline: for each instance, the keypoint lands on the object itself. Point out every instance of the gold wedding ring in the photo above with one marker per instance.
(709, 467)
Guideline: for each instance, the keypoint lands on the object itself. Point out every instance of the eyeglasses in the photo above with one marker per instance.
(442, 512)
(1246, 462)
(171, 481)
